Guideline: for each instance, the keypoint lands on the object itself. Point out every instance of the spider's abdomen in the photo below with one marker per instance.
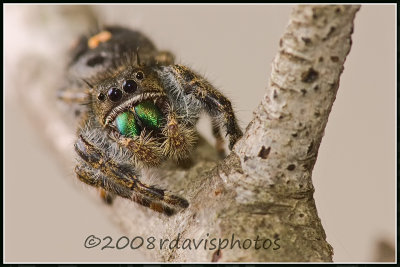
(106, 48)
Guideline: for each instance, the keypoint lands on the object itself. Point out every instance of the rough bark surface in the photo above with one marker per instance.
(263, 187)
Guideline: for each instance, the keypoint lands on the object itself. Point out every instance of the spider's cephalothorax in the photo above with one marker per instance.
(138, 112)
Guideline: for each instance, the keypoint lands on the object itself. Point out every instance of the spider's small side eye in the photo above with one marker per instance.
(114, 94)
(139, 75)
(129, 86)
(101, 97)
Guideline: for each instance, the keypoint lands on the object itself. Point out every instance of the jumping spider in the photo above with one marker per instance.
(139, 109)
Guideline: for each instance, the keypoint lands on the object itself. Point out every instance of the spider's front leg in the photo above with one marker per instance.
(99, 168)
(183, 81)
(219, 140)
(73, 95)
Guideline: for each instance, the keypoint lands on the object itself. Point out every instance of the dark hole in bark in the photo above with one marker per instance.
(275, 94)
(306, 40)
(216, 255)
(334, 58)
(264, 152)
(309, 76)
(331, 31)
(291, 167)
(310, 147)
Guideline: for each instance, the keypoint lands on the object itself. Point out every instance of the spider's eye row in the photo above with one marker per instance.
(139, 75)
(129, 86)
(101, 97)
(114, 94)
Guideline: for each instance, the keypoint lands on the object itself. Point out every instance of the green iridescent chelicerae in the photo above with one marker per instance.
(127, 124)
(146, 112)
(149, 114)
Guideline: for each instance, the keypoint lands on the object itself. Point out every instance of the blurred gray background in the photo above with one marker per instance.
(48, 213)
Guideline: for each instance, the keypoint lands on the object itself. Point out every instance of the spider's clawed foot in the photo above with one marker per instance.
(107, 197)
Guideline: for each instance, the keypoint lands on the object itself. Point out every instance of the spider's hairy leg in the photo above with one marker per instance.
(156, 206)
(213, 101)
(100, 170)
(76, 100)
(94, 178)
(94, 157)
(164, 58)
(73, 95)
(219, 140)
(179, 138)
(160, 195)
(145, 150)
(106, 196)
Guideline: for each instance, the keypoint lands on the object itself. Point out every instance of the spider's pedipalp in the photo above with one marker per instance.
(146, 151)
(179, 138)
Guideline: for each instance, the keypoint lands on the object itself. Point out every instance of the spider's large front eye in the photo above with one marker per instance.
(114, 94)
(129, 86)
